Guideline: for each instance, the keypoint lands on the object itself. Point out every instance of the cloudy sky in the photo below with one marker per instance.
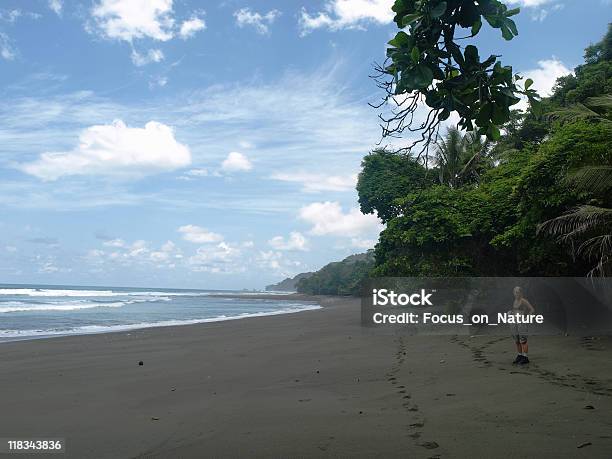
(206, 144)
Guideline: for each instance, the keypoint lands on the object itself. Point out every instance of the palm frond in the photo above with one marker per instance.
(579, 220)
(596, 247)
(592, 225)
(573, 113)
(600, 104)
(597, 179)
(599, 108)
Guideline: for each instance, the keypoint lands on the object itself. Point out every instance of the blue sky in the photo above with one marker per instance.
(207, 144)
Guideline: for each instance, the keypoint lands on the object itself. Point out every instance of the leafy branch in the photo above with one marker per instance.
(426, 65)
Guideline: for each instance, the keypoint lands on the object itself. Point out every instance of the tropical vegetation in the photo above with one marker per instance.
(537, 201)
(505, 192)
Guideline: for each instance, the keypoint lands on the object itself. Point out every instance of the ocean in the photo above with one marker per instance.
(39, 311)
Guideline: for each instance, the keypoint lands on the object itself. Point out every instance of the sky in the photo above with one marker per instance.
(213, 145)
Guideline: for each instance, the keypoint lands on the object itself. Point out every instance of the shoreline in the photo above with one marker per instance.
(302, 298)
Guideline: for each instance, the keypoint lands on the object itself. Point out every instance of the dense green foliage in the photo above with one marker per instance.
(537, 201)
(339, 278)
(428, 62)
(489, 221)
(385, 177)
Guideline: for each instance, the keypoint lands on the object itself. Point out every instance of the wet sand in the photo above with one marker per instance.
(310, 384)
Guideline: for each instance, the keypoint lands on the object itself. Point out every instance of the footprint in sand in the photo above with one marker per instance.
(430, 445)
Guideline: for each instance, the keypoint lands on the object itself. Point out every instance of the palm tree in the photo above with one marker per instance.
(460, 158)
(588, 228)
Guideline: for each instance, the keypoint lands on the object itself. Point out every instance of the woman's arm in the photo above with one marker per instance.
(529, 306)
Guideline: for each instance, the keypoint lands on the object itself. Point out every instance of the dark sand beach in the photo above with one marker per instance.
(311, 384)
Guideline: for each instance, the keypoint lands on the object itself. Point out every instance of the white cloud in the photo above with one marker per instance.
(191, 26)
(10, 248)
(544, 78)
(197, 173)
(158, 82)
(315, 183)
(130, 19)
(261, 22)
(114, 243)
(246, 144)
(347, 14)
(276, 262)
(537, 7)
(48, 268)
(546, 74)
(363, 244)
(529, 3)
(236, 162)
(7, 51)
(166, 252)
(115, 149)
(328, 218)
(273, 117)
(139, 252)
(199, 235)
(295, 241)
(222, 258)
(153, 55)
(56, 6)
(10, 15)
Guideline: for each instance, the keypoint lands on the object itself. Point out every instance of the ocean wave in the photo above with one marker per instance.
(19, 306)
(87, 293)
(95, 329)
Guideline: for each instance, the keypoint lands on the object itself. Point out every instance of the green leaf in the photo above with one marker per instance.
(507, 92)
(484, 115)
(400, 39)
(444, 114)
(500, 115)
(423, 76)
(512, 26)
(476, 26)
(513, 12)
(410, 18)
(438, 73)
(471, 55)
(493, 132)
(506, 32)
(438, 10)
(398, 6)
(528, 83)
(536, 106)
(415, 54)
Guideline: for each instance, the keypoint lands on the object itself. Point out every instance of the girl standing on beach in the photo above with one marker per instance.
(519, 330)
